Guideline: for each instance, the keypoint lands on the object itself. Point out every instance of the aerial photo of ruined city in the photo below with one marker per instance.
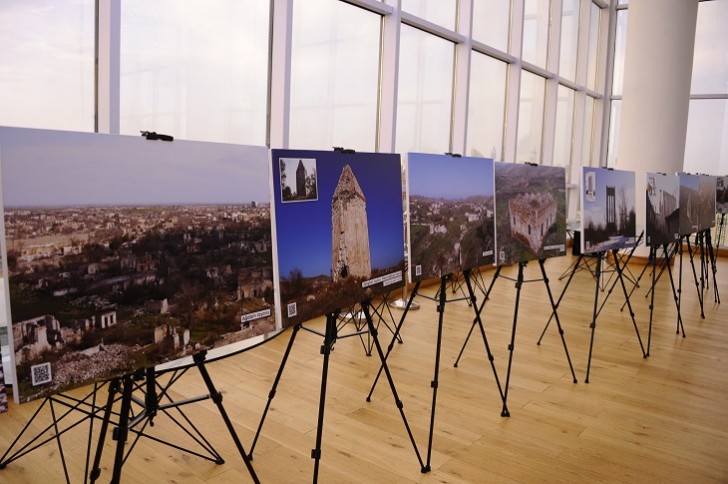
(530, 207)
(340, 234)
(450, 214)
(124, 253)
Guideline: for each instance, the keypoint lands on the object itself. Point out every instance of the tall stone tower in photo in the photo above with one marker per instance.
(350, 254)
(301, 180)
(611, 209)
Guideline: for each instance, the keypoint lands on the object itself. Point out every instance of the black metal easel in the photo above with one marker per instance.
(712, 265)
(666, 261)
(330, 336)
(86, 406)
(442, 300)
(151, 406)
(686, 238)
(519, 283)
(597, 309)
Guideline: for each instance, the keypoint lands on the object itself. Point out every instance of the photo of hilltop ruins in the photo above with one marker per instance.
(608, 209)
(530, 208)
(662, 209)
(346, 245)
(450, 205)
(124, 253)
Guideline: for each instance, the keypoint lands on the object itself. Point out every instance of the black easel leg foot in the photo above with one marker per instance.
(425, 469)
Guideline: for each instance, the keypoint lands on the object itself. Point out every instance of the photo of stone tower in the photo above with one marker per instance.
(532, 215)
(350, 255)
(611, 209)
(301, 179)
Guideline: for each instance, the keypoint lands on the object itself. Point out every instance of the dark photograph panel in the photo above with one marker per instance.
(608, 209)
(451, 214)
(3, 395)
(345, 247)
(530, 207)
(124, 253)
(662, 209)
(707, 192)
(721, 195)
(698, 197)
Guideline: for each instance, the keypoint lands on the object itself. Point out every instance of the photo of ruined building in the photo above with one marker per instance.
(451, 214)
(530, 212)
(662, 209)
(347, 245)
(124, 253)
(609, 219)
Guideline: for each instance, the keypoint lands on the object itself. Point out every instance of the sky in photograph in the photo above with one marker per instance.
(689, 181)
(304, 228)
(42, 168)
(620, 179)
(443, 176)
(664, 183)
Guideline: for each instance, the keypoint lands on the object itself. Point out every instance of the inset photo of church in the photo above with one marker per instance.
(609, 219)
(530, 208)
(346, 246)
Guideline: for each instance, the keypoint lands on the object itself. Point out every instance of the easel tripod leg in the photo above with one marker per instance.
(555, 315)
(561, 296)
(511, 345)
(395, 337)
(434, 383)
(272, 392)
(653, 263)
(122, 430)
(478, 311)
(216, 397)
(491, 358)
(675, 296)
(329, 337)
(593, 324)
(113, 389)
(620, 277)
(397, 400)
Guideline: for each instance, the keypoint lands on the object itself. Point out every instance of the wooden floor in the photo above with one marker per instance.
(658, 419)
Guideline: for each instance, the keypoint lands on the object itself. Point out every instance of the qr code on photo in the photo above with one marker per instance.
(292, 311)
(41, 373)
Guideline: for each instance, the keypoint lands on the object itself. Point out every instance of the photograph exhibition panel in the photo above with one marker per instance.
(662, 209)
(530, 210)
(450, 214)
(339, 229)
(697, 203)
(607, 209)
(123, 253)
(721, 195)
